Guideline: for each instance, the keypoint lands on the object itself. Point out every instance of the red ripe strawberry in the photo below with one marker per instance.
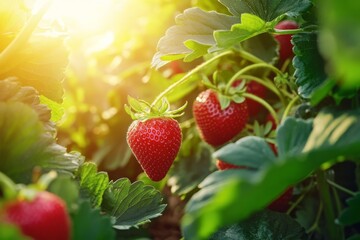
(155, 143)
(258, 90)
(44, 217)
(216, 125)
(221, 165)
(281, 204)
(285, 45)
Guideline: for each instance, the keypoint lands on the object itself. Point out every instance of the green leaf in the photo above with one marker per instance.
(262, 46)
(12, 91)
(40, 65)
(267, 10)
(249, 27)
(339, 40)
(194, 26)
(292, 135)
(90, 223)
(322, 91)
(233, 196)
(92, 183)
(309, 64)
(24, 144)
(57, 111)
(198, 49)
(66, 188)
(252, 152)
(263, 225)
(350, 215)
(11, 232)
(190, 169)
(132, 204)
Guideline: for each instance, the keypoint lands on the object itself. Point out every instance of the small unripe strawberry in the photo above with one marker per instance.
(155, 143)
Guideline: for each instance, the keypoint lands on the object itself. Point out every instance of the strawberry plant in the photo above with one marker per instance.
(239, 121)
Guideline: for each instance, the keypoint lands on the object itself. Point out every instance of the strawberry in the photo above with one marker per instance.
(221, 165)
(155, 143)
(281, 204)
(258, 90)
(218, 126)
(285, 45)
(41, 218)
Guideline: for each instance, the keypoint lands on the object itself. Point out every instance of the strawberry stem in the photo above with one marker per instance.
(236, 76)
(187, 75)
(263, 103)
(289, 107)
(21, 39)
(334, 230)
(8, 186)
(268, 84)
(287, 31)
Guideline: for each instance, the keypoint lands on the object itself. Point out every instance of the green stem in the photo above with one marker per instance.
(334, 230)
(190, 73)
(250, 67)
(288, 108)
(268, 84)
(263, 103)
(287, 31)
(341, 188)
(22, 38)
(8, 186)
(248, 56)
(317, 219)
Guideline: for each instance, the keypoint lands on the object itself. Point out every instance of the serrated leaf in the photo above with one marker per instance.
(246, 152)
(238, 196)
(262, 46)
(12, 91)
(263, 225)
(350, 215)
(249, 27)
(41, 64)
(198, 50)
(267, 10)
(57, 111)
(92, 183)
(24, 144)
(195, 25)
(292, 135)
(309, 64)
(90, 223)
(339, 40)
(189, 170)
(132, 204)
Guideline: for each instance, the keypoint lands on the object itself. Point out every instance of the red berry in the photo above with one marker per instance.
(285, 45)
(155, 144)
(44, 217)
(256, 89)
(281, 204)
(218, 126)
(221, 165)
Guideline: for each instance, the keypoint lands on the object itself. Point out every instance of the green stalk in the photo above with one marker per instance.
(263, 103)
(248, 56)
(250, 67)
(288, 108)
(341, 188)
(268, 84)
(190, 73)
(334, 230)
(287, 31)
(22, 38)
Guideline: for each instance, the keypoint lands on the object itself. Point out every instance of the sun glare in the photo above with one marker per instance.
(84, 15)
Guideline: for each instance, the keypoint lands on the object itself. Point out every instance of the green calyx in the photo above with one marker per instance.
(224, 95)
(141, 110)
